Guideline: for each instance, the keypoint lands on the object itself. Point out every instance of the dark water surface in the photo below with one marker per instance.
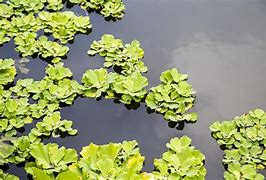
(221, 44)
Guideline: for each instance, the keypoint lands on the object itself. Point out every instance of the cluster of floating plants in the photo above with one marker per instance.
(27, 100)
(7, 72)
(244, 141)
(22, 19)
(181, 161)
(121, 78)
(107, 8)
(126, 83)
(110, 161)
(173, 97)
(126, 58)
(127, 89)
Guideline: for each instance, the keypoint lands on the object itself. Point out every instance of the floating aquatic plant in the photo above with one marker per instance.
(64, 25)
(181, 161)
(173, 97)
(24, 24)
(6, 11)
(51, 49)
(118, 161)
(4, 26)
(108, 8)
(28, 6)
(127, 58)
(111, 161)
(246, 172)
(96, 82)
(50, 158)
(6, 150)
(244, 141)
(129, 88)
(26, 44)
(7, 71)
(55, 5)
(52, 125)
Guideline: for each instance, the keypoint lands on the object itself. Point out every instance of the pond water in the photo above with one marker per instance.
(221, 44)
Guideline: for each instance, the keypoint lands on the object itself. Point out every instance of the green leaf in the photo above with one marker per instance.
(95, 82)
(7, 71)
(64, 25)
(172, 75)
(5, 11)
(38, 174)
(257, 113)
(114, 160)
(181, 161)
(51, 49)
(131, 88)
(58, 72)
(53, 126)
(55, 5)
(28, 6)
(50, 158)
(26, 44)
(24, 24)
(236, 171)
(67, 175)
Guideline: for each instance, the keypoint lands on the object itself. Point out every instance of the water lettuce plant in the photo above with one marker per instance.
(7, 71)
(50, 158)
(4, 29)
(28, 6)
(58, 72)
(114, 9)
(111, 161)
(21, 151)
(22, 19)
(6, 11)
(124, 161)
(25, 23)
(107, 46)
(247, 172)
(55, 5)
(15, 113)
(6, 150)
(173, 97)
(126, 89)
(244, 141)
(96, 82)
(126, 58)
(18, 150)
(64, 25)
(181, 161)
(130, 88)
(52, 125)
(55, 87)
(51, 49)
(26, 44)
(108, 8)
